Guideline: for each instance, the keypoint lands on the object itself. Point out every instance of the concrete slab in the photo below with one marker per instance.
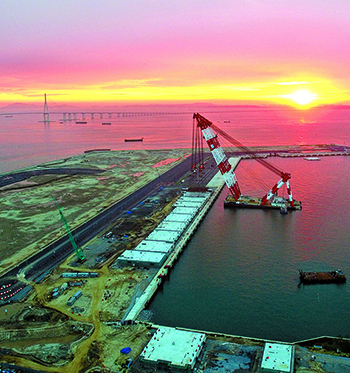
(164, 235)
(181, 203)
(154, 246)
(172, 225)
(186, 218)
(185, 210)
(146, 258)
(174, 347)
(277, 358)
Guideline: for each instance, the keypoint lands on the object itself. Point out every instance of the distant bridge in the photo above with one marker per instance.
(92, 114)
(72, 115)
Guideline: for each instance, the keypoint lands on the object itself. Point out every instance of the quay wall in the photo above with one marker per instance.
(143, 300)
(312, 154)
(296, 154)
(148, 293)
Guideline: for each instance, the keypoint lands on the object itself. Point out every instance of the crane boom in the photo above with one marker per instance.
(78, 251)
(208, 129)
(219, 155)
(246, 150)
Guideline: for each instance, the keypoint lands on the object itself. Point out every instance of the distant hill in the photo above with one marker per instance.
(142, 107)
(20, 106)
(163, 107)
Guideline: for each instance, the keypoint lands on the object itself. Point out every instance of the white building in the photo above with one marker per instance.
(154, 250)
(142, 258)
(174, 348)
(278, 358)
(154, 246)
(164, 235)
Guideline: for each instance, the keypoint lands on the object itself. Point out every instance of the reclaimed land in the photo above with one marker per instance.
(43, 333)
(46, 334)
(84, 185)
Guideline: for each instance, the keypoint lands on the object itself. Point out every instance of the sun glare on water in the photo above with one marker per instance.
(302, 97)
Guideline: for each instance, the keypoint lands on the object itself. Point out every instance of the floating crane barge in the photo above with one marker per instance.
(322, 277)
(203, 128)
(256, 203)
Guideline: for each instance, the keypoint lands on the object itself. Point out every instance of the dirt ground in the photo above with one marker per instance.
(46, 334)
(29, 218)
(88, 335)
(53, 336)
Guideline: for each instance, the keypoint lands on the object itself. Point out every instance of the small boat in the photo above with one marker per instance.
(97, 150)
(8, 116)
(336, 276)
(130, 140)
(106, 123)
(312, 159)
(81, 122)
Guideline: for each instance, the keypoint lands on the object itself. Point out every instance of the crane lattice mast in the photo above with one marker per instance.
(79, 253)
(197, 149)
(219, 155)
(210, 132)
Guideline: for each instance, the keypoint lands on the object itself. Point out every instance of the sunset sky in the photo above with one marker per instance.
(156, 51)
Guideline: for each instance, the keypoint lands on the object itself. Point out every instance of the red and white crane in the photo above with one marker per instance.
(210, 133)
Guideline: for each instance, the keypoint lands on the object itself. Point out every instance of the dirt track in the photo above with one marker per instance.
(29, 218)
(105, 298)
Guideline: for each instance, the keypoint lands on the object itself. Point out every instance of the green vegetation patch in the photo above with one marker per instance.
(28, 215)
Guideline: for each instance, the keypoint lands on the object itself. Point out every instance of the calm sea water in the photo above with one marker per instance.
(24, 141)
(239, 273)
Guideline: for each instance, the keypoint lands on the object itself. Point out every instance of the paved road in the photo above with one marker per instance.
(15, 177)
(40, 263)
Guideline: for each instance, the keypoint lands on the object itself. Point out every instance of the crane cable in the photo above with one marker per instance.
(254, 176)
(227, 147)
(251, 153)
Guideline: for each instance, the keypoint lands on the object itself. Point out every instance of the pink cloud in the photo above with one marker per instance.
(173, 43)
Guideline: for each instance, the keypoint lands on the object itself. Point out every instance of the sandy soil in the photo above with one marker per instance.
(104, 302)
(29, 218)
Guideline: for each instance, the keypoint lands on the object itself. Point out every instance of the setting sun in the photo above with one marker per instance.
(302, 97)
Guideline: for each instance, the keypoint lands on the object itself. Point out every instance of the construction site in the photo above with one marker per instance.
(87, 241)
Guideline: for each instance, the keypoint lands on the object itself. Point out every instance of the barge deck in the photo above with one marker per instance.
(336, 276)
(256, 203)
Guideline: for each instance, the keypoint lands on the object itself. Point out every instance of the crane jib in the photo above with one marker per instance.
(210, 133)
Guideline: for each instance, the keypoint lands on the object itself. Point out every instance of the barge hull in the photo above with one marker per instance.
(322, 277)
(133, 140)
(256, 203)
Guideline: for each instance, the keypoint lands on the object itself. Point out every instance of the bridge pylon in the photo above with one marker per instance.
(46, 114)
